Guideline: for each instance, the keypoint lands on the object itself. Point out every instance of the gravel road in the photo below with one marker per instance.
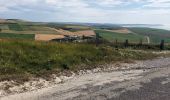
(150, 81)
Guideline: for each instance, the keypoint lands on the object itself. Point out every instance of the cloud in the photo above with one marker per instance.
(158, 4)
(112, 11)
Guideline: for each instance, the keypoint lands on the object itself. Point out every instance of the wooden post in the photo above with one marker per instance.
(116, 44)
(140, 43)
(126, 43)
(97, 39)
(162, 45)
(83, 37)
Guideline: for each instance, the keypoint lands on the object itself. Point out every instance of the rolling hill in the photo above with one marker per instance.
(155, 35)
(113, 36)
(15, 28)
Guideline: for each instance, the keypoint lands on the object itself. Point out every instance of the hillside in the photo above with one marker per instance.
(156, 35)
(15, 28)
(19, 29)
(113, 36)
(135, 34)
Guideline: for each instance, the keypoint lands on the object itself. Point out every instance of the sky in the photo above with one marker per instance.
(92, 11)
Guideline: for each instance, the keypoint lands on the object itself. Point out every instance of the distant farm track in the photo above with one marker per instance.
(148, 39)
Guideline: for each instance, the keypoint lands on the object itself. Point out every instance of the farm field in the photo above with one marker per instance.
(27, 29)
(136, 34)
(123, 31)
(108, 32)
(156, 35)
(113, 36)
(47, 37)
(17, 36)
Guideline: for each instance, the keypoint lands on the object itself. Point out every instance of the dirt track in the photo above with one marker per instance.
(114, 85)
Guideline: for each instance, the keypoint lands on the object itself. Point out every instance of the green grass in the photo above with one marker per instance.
(75, 28)
(21, 60)
(15, 26)
(3, 27)
(112, 36)
(17, 36)
(156, 35)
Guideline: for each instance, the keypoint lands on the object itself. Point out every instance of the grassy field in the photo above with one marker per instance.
(22, 60)
(15, 27)
(68, 27)
(24, 28)
(156, 35)
(17, 36)
(112, 36)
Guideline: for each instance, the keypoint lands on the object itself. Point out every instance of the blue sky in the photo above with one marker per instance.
(99, 11)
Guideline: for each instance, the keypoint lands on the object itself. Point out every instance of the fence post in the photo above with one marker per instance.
(126, 43)
(140, 43)
(162, 45)
(116, 44)
(83, 37)
(97, 39)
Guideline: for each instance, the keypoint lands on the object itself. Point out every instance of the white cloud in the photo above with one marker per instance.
(115, 11)
(158, 3)
(66, 3)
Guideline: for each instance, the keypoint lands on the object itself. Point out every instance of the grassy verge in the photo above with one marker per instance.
(22, 60)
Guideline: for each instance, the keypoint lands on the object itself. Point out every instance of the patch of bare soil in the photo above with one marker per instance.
(2, 21)
(64, 32)
(78, 33)
(6, 21)
(47, 37)
(123, 31)
(85, 33)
